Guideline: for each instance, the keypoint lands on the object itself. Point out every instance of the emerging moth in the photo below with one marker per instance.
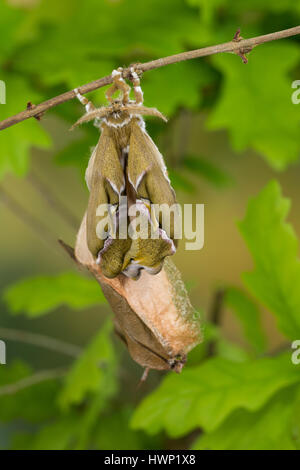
(153, 316)
(126, 162)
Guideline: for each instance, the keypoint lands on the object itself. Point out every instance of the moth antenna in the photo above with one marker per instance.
(97, 113)
(144, 111)
(137, 90)
(118, 84)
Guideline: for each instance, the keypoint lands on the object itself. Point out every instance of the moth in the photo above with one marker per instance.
(152, 316)
(126, 162)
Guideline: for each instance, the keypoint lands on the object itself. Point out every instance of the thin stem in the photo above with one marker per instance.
(53, 201)
(215, 316)
(237, 45)
(34, 379)
(41, 341)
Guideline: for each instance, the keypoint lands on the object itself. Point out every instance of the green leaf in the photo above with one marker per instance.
(34, 403)
(268, 6)
(207, 170)
(257, 109)
(10, 22)
(208, 12)
(129, 28)
(77, 154)
(204, 396)
(39, 295)
(270, 428)
(55, 436)
(272, 242)
(68, 431)
(17, 141)
(231, 351)
(94, 371)
(180, 182)
(113, 432)
(249, 315)
(222, 347)
(177, 85)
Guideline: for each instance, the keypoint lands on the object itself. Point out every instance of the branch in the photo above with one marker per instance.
(238, 46)
(40, 340)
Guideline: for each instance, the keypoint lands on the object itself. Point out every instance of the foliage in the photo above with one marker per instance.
(248, 313)
(274, 247)
(205, 395)
(94, 370)
(236, 397)
(258, 430)
(41, 294)
(252, 103)
(218, 389)
(31, 74)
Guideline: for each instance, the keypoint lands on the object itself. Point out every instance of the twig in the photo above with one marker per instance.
(40, 340)
(237, 45)
(53, 201)
(34, 379)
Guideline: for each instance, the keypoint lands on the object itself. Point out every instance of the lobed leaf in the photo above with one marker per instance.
(275, 279)
(249, 315)
(40, 294)
(204, 396)
(94, 371)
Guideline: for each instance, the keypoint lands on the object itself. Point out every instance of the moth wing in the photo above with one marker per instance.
(106, 163)
(105, 179)
(144, 347)
(148, 174)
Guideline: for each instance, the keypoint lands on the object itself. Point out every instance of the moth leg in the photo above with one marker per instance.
(137, 90)
(118, 84)
(89, 106)
(144, 376)
(110, 92)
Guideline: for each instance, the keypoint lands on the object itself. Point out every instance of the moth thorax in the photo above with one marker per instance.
(117, 117)
(121, 136)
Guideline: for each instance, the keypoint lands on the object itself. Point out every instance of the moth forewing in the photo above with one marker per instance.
(126, 160)
(143, 345)
(106, 182)
(148, 174)
(143, 156)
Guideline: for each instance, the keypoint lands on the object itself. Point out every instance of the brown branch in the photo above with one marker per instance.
(36, 339)
(237, 45)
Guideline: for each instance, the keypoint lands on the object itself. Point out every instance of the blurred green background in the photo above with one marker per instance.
(232, 128)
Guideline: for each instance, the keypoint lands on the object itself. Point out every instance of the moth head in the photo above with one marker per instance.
(116, 114)
(177, 363)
